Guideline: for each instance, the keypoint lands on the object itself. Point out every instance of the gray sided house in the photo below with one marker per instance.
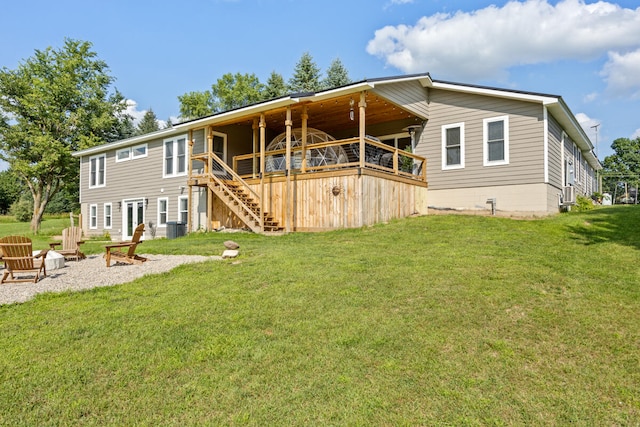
(526, 151)
(345, 157)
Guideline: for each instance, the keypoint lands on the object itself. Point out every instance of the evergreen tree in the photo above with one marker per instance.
(169, 124)
(337, 75)
(275, 88)
(148, 124)
(306, 76)
(123, 128)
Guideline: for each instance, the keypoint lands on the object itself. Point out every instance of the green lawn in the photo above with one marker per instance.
(438, 320)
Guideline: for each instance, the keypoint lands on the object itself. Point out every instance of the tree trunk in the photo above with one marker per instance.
(40, 201)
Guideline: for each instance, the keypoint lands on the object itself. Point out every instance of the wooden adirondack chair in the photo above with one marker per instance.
(126, 251)
(18, 258)
(71, 241)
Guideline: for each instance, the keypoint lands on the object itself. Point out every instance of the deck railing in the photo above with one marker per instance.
(335, 155)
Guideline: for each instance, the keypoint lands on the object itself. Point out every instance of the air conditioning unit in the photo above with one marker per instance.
(568, 195)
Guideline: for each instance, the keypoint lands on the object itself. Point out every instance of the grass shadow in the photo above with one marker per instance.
(617, 224)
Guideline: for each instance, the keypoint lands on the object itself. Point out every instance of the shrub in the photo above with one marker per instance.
(583, 203)
(22, 209)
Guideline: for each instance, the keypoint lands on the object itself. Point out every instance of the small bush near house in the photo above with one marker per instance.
(583, 204)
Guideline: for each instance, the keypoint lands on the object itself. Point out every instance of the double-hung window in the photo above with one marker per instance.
(175, 156)
(93, 216)
(107, 215)
(97, 173)
(183, 209)
(163, 211)
(496, 141)
(453, 146)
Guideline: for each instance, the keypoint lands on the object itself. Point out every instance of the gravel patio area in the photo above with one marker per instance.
(92, 272)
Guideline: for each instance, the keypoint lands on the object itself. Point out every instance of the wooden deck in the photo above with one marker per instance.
(327, 186)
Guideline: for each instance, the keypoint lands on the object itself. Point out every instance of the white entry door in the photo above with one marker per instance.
(133, 215)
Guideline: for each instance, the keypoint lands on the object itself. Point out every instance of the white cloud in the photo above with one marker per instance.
(622, 73)
(636, 134)
(484, 43)
(590, 97)
(132, 110)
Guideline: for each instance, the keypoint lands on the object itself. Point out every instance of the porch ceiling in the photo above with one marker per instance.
(332, 115)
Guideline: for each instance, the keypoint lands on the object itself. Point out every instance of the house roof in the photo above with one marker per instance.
(343, 96)
(554, 104)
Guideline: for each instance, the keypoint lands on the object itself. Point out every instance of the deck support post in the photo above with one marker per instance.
(263, 136)
(209, 171)
(189, 200)
(303, 158)
(362, 130)
(256, 141)
(288, 199)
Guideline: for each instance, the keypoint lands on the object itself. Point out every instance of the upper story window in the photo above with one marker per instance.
(175, 156)
(97, 173)
(131, 153)
(496, 141)
(453, 146)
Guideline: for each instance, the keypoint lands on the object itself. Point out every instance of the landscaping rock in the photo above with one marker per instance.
(230, 253)
(230, 244)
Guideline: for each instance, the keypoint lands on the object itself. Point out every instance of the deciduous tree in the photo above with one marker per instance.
(195, 104)
(623, 164)
(236, 90)
(52, 104)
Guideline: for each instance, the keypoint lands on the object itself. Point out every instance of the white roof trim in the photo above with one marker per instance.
(125, 142)
(496, 92)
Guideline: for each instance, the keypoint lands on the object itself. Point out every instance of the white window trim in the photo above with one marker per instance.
(93, 224)
(166, 199)
(104, 180)
(444, 146)
(180, 198)
(140, 156)
(485, 144)
(174, 140)
(131, 153)
(108, 226)
(124, 159)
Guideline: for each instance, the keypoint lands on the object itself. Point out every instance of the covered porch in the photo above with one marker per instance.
(310, 162)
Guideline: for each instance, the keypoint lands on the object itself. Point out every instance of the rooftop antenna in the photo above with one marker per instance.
(596, 128)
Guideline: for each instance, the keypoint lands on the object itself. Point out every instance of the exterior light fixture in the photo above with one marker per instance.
(351, 114)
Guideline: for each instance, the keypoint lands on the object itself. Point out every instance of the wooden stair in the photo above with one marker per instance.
(243, 205)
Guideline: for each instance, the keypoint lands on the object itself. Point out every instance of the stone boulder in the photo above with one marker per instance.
(230, 253)
(230, 244)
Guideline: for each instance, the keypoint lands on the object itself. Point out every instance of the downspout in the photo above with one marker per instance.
(545, 119)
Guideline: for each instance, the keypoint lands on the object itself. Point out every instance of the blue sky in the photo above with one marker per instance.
(588, 52)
